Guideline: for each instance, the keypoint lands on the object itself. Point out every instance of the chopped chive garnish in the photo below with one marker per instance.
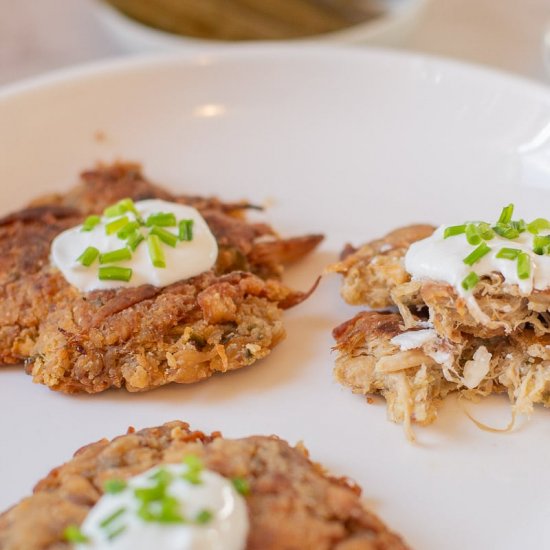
(115, 256)
(477, 254)
(194, 469)
(112, 517)
(162, 219)
(113, 486)
(114, 273)
(165, 236)
(506, 231)
(506, 214)
(134, 240)
(87, 258)
(484, 229)
(149, 494)
(186, 230)
(204, 516)
(127, 205)
(540, 224)
(117, 532)
(541, 244)
(165, 509)
(113, 211)
(127, 230)
(470, 281)
(113, 227)
(193, 462)
(508, 253)
(90, 222)
(162, 477)
(241, 485)
(524, 265)
(519, 226)
(472, 235)
(72, 533)
(155, 251)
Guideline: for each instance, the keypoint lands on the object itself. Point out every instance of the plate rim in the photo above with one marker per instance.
(270, 50)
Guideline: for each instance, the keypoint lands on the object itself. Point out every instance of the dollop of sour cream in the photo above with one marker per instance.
(187, 259)
(214, 514)
(442, 259)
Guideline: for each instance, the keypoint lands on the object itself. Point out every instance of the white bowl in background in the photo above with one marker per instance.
(391, 29)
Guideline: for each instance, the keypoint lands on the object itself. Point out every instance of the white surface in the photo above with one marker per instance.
(365, 142)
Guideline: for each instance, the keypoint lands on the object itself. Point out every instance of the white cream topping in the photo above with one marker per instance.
(414, 338)
(187, 259)
(226, 530)
(440, 259)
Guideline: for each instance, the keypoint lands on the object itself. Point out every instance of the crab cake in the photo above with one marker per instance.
(415, 369)
(473, 304)
(145, 336)
(289, 501)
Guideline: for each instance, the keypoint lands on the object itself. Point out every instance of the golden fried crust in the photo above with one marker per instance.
(375, 275)
(27, 291)
(293, 503)
(372, 271)
(30, 288)
(146, 337)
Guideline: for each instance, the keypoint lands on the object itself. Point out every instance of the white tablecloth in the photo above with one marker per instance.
(41, 35)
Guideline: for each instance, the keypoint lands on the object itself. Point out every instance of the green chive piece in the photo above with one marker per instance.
(241, 485)
(113, 211)
(118, 255)
(134, 240)
(524, 265)
(540, 244)
(506, 231)
(540, 224)
(127, 230)
(117, 532)
(114, 486)
(162, 219)
(193, 462)
(113, 227)
(155, 251)
(484, 229)
(72, 533)
(87, 258)
(470, 281)
(506, 214)
(127, 205)
(194, 469)
(204, 516)
(112, 517)
(508, 253)
(162, 510)
(165, 236)
(477, 254)
(114, 273)
(90, 222)
(162, 477)
(186, 230)
(150, 494)
(472, 235)
(520, 226)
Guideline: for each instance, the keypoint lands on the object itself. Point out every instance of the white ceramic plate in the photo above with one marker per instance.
(346, 142)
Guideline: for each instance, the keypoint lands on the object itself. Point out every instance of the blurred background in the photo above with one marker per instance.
(40, 35)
